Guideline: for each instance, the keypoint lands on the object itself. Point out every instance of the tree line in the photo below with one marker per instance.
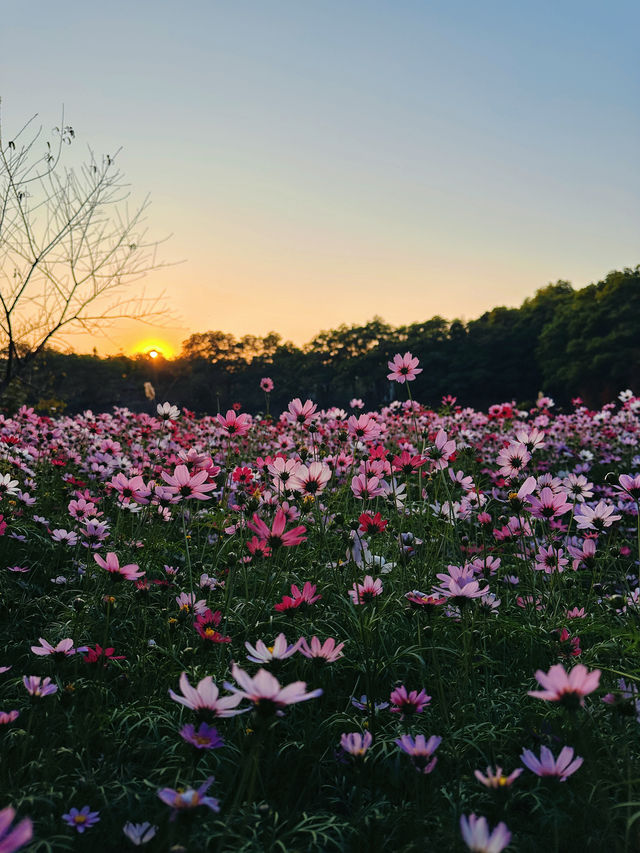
(562, 341)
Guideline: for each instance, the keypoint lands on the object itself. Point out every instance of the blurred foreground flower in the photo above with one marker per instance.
(477, 835)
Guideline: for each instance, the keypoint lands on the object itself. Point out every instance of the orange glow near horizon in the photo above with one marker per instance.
(154, 348)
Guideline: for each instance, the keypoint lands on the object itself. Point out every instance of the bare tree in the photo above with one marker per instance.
(70, 247)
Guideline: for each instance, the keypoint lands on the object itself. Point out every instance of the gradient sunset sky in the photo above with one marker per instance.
(321, 162)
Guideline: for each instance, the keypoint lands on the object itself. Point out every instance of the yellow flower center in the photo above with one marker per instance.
(80, 818)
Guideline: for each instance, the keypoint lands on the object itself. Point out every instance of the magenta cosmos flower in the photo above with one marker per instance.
(266, 693)
(266, 383)
(185, 801)
(81, 819)
(404, 368)
(559, 768)
(420, 751)
(185, 485)
(130, 572)
(568, 688)
(477, 835)
(404, 702)
(276, 537)
(205, 697)
(13, 839)
(234, 424)
(299, 412)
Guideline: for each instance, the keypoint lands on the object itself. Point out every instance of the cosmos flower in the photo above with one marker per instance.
(420, 751)
(560, 768)
(139, 833)
(329, 651)
(356, 744)
(477, 835)
(364, 592)
(404, 368)
(206, 697)
(405, 703)
(38, 687)
(81, 819)
(13, 838)
(112, 565)
(496, 778)
(206, 737)
(280, 650)
(266, 693)
(186, 800)
(569, 688)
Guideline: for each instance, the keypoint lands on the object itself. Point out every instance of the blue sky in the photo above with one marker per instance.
(322, 162)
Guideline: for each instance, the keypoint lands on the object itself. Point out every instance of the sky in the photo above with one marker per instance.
(317, 163)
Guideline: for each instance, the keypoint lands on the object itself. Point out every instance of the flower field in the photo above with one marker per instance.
(407, 629)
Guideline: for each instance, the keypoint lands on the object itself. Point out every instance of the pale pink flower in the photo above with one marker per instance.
(496, 778)
(64, 648)
(299, 412)
(186, 485)
(265, 691)
(477, 835)
(36, 686)
(280, 650)
(568, 688)
(356, 744)
(596, 518)
(365, 488)
(206, 697)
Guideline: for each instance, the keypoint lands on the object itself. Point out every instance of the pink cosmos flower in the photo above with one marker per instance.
(441, 450)
(549, 560)
(365, 488)
(276, 536)
(560, 768)
(266, 693)
(404, 368)
(283, 471)
(356, 744)
(496, 778)
(63, 649)
(361, 593)
(512, 459)
(186, 801)
(404, 702)
(364, 427)
(112, 565)
(234, 424)
(300, 413)
(206, 697)
(36, 686)
(298, 598)
(630, 485)
(130, 489)
(185, 485)
(186, 602)
(329, 651)
(477, 835)
(568, 688)
(596, 518)
(13, 838)
(8, 717)
(280, 650)
(549, 505)
(311, 480)
(420, 751)
(266, 384)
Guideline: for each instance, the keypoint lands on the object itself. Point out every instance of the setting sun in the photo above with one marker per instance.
(154, 349)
